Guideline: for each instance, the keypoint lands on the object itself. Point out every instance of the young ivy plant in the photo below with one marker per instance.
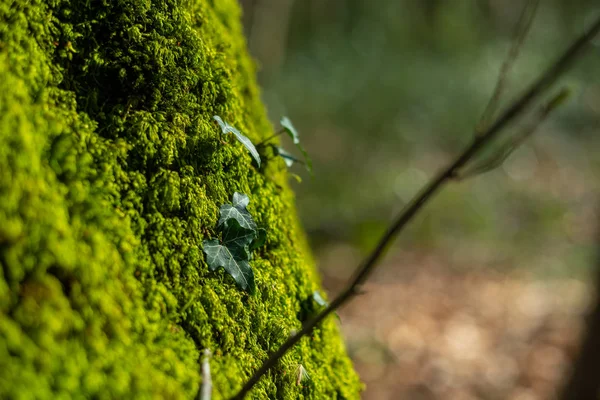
(240, 236)
(226, 128)
(289, 159)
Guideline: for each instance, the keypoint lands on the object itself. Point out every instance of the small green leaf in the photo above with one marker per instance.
(239, 237)
(240, 200)
(235, 262)
(226, 128)
(248, 144)
(296, 177)
(321, 302)
(310, 306)
(318, 299)
(290, 130)
(238, 212)
(236, 237)
(288, 158)
(307, 160)
(243, 217)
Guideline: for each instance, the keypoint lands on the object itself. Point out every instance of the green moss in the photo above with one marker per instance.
(111, 175)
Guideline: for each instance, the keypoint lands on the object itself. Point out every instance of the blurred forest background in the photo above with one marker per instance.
(483, 296)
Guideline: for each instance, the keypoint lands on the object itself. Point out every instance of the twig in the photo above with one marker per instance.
(506, 150)
(406, 215)
(273, 136)
(523, 27)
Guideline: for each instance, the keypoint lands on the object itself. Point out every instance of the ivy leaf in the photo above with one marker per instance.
(240, 200)
(226, 128)
(236, 237)
(239, 237)
(318, 299)
(307, 160)
(289, 128)
(238, 212)
(288, 158)
(310, 306)
(234, 261)
(316, 296)
(247, 144)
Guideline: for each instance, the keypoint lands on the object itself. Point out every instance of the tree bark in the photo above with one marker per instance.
(112, 173)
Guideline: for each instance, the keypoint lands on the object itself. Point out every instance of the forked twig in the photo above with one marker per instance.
(523, 27)
(507, 149)
(366, 267)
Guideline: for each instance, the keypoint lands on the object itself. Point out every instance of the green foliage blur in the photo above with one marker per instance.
(384, 93)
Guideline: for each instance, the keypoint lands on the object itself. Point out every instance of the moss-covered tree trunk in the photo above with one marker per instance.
(112, 173)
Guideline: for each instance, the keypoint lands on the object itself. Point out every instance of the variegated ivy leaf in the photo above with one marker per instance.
(289, 128)
(237, 211)
(236, 237)
(288, 158)
(239, 237)
(240, 200)
(233, 260)
(247, 144)
(318, 299)
(226, 128)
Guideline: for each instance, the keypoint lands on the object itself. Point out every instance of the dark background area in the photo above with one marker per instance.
(483, 296)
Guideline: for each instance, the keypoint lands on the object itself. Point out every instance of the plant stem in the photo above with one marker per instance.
(505, 151)
(271, 137)
(523, 27)
(479, 141)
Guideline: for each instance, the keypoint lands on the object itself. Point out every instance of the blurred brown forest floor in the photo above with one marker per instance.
(466, 321)
(435, 333)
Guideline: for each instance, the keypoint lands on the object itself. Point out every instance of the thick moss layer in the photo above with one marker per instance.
(111, 175)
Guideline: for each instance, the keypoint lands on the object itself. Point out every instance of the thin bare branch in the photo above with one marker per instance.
(273, 136)
(406, 215)
(498, 158)
(523, 27)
